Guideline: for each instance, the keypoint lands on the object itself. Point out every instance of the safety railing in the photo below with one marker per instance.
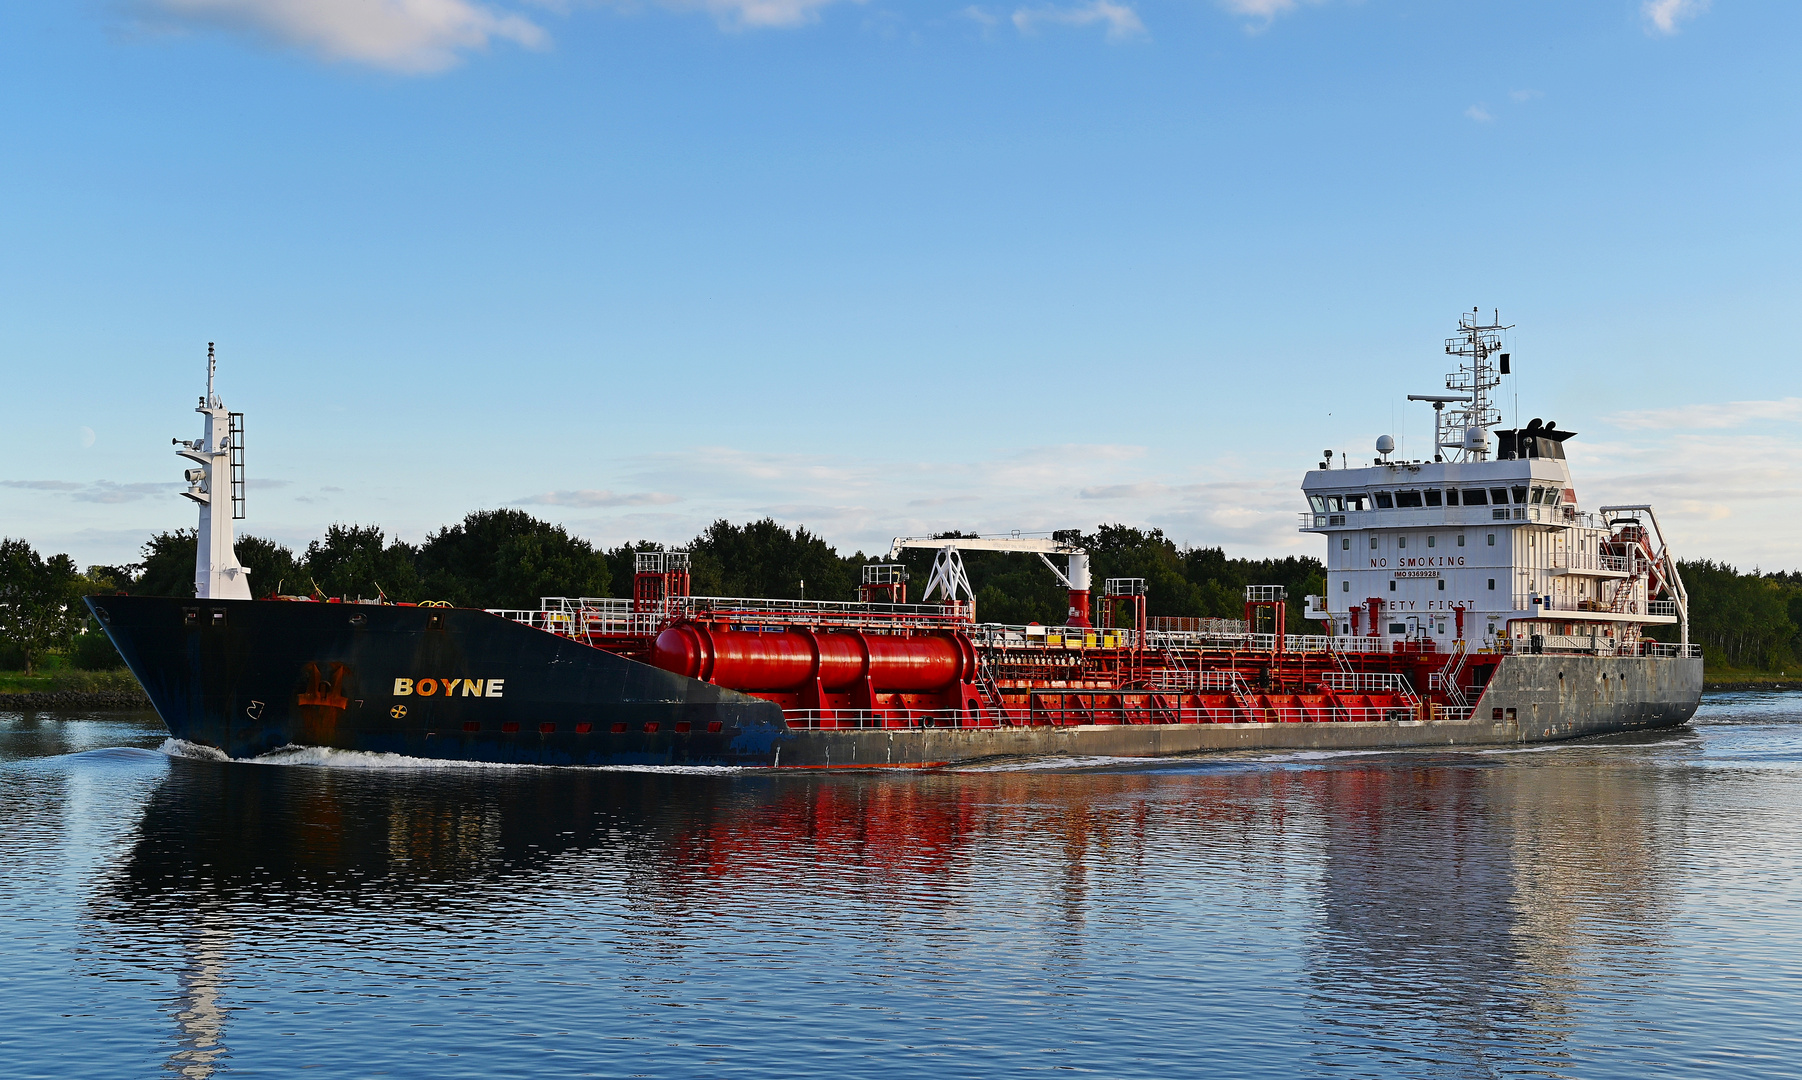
(1368, 682)
(1594, 561)
(1042, 713)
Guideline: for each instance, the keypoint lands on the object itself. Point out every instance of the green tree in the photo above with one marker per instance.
(508, 558)
(273, 567)
(168, 566)
(1740, 620)
(38, 602)
(357, 561)
(765, 559)
(91, 649)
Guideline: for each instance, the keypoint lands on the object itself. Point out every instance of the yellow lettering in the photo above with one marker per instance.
(426, 687)
(403, 687)
(495, 686)
(472, 688)
(450, 686)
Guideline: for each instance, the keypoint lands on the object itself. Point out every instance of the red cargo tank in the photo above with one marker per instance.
(741, 660)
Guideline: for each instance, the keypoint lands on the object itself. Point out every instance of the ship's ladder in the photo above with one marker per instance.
(1175, 676)
(1447, 678)
(991, 687)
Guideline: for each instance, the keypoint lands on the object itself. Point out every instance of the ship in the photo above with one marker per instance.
(1471, 600)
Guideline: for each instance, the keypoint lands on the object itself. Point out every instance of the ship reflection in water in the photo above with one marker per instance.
(1359, 915)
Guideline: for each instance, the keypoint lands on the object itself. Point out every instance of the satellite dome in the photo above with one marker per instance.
(1385, 444)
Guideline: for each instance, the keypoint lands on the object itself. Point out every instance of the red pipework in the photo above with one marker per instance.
(795, 659)
(1375, 604)
(1458, 611)
(1357, 613)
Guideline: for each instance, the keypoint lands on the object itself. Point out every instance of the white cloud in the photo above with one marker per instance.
(756, 14)
(1729, 414)
(1479, 113)
(590, 499)
(1262, 9)
(100, 491)
(412, 36)
(1122, 22)
(1525, 95)
(1662, 16)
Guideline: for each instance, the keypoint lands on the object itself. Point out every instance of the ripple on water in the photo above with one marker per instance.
(1592, 909)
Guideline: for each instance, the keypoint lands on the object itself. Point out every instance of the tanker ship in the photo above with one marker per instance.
(1470, 600)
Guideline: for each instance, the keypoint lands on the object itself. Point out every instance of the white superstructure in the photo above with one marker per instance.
(218, 486)
(1494, 552)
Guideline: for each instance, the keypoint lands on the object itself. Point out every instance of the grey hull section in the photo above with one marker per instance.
(1530, 699)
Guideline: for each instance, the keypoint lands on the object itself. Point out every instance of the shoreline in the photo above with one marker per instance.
(1735, 683)
(32, 700)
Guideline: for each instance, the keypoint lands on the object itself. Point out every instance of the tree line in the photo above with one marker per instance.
(509, 559)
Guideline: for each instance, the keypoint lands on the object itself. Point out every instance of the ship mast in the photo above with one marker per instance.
(220, 454)
(1463, 428)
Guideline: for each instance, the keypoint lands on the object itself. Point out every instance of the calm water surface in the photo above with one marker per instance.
(1625, 907)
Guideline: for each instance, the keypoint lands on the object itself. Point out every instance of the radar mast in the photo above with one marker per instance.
(1463, 428)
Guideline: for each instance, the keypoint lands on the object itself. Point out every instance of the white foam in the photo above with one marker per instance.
(332, 758)
(182, 748)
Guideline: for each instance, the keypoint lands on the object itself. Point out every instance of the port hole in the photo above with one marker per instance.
(190, 615)
(681, 727)
(472, 726)
(714, 726)
(651, 727)
(619, 729)
(509, 727)
(546, 729)
(583, 729)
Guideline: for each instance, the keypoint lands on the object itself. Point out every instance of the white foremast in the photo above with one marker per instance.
(218, 486)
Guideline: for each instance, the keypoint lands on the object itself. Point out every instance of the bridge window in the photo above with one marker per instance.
(1385, 501)
(1432, 495)
(1355, 502)
(1475, 497)
(1520, 494)
(1318, 503)
(1498, 496)
(1451, 496)
(1407, 499)
(1538, 495)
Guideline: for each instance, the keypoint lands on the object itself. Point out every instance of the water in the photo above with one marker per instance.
(1626, 907)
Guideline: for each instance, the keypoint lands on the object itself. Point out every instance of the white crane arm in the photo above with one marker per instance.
(1027, 545)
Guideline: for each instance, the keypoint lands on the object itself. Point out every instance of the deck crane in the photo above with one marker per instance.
(948, 576)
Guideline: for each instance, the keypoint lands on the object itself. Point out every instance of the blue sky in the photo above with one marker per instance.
(880, 268)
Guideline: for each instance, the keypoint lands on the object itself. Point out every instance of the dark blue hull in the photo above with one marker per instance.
(250, 676)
